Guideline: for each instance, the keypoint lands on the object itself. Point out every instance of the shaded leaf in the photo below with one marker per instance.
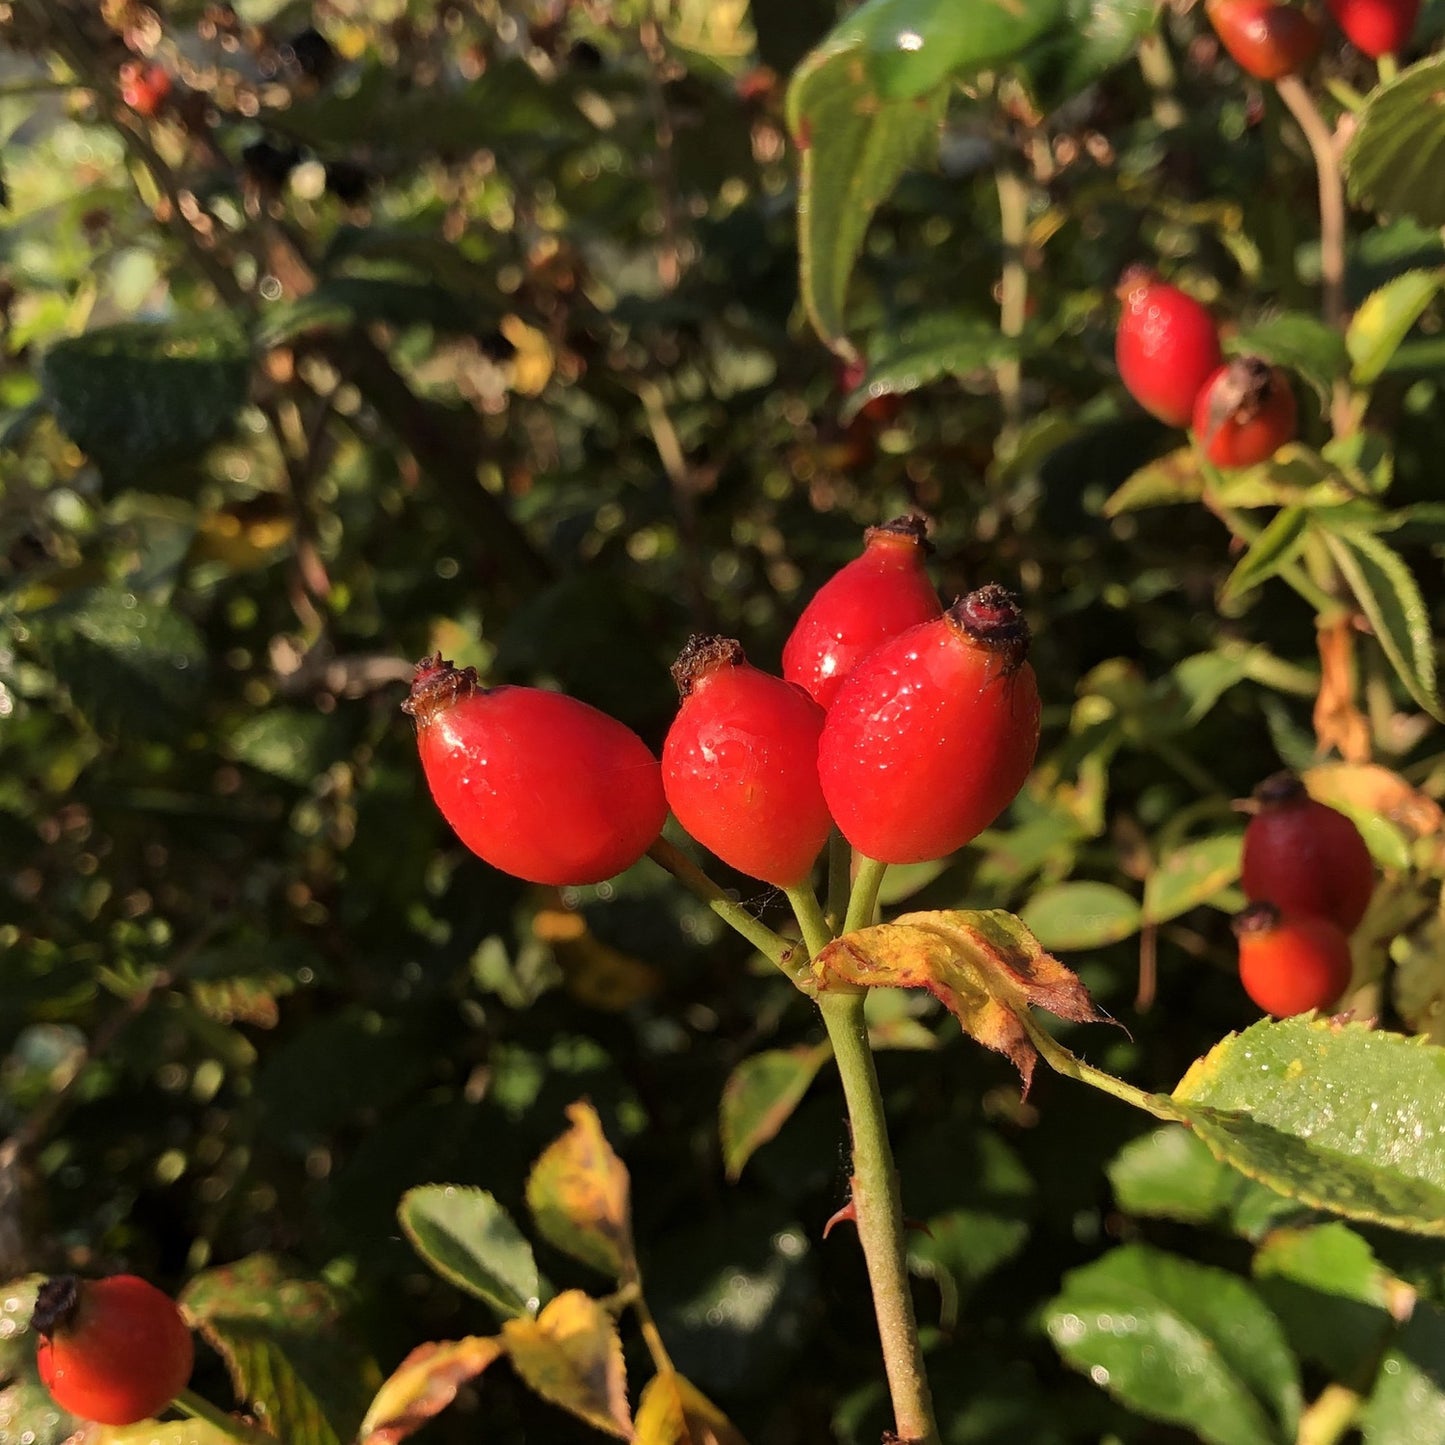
(1179, 1342)
(1173, 478)
(1093, 37)
(1275, 547)
(1298, 342)
(1395, 161)
(1408, 1403)
(571, 1355)
(1191, 875)
(423, 1385)
(985, 967)
(578, 1193)
(921, 351)
(760, 1096)
(469, 1239)
(1384, 318)
(1081, 914)
(673, 1411)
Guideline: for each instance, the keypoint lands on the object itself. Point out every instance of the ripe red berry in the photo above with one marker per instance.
(535, 783)
(1289, 965)
(1377, 27)
(1244, 414)
(933, 733)
(1166, 346)
(114, 1350)
(874, 597)
(1304, 857)
(1266, 39)
(740, 764)
(144, 88)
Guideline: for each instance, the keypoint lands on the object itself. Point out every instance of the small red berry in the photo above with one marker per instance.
(874, 597)
(1377, 27)
(1289, 965)
(933, 733)
(144, 88)
(535, 783)
(740, 764)
(1244, 414)
(114, 1350)
(1305, 857)
(1166, 346)
(1267, 40)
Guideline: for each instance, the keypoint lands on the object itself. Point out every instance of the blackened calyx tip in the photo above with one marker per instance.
(702, 655)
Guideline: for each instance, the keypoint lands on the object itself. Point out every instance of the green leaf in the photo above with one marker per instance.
(1408, 1403)
(1342, 1117)
(760, 1096)
(1094, 37)
(136, 394)
(282, 1338)
(1274, 548)
(1298, 342)
(1179, 1342)
(1395, 161)
(1389, 596)
(854, 146)
(1081, 915)
(1384, 319)
(1173, 478)
(286, 742)
(1191, 875)
(347, 302)
(469, 1239)
(921, 351)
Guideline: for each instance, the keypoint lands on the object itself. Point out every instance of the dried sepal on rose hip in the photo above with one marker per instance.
(1166, 345)
(536, 783)
(1290, 964)
(740, 764)
(1304, 856)
(933, 733)
(114, 1351)
(1244, 413)
(1265, 38)
(876, 596)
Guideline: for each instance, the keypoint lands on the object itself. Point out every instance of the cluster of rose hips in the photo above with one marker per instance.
(908, 726)
(1309, 877)
(1167, 349)
(1270, 40)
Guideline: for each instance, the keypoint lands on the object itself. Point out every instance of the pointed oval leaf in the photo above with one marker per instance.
(1179, 1342)
(922, 351)
(470, 1240)
(571, 1355)
(578, 1192)
(1191, 875)
(1395, 161)
(1095, 36)
(1173, 478)
(1298, 342)
(1081, 914)
(1384, 319)
(1389, 596)
(1408, 1403)
(673, 1411)
(1275, 547)
(1339, 1116)
(760, 1096)
(423, 1385)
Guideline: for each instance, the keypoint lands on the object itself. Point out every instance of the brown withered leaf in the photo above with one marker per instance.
(1338, 722)
(984, 966)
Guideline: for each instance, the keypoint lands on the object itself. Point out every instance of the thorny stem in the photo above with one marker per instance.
(199, 1408)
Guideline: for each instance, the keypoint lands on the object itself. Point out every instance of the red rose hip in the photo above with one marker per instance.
(1289, 965)
(1265, 39)
(535, 783)
(113, 1351)
(144, 88)
(740, 764)
(1377, 27)
(874, 597)
(1304, 856)
(1166, 346)
(933, 733)
(1244, 413)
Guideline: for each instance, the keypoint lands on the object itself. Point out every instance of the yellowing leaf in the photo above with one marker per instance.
(578, 1193)
(675, 1412)
(533, 364)
(985, 967)
(423, 1385)
(571, 1355)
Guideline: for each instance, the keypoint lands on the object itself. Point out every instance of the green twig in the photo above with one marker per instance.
(863, 902)
(1058, 1058)
(1013, 209)
(199, 1408)
(1388, 68)
(816, 933)
(840, 868)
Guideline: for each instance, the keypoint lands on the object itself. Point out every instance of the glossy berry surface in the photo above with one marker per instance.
(1245, 413)
(1377, 27)
(1265, 39)
(740, 764)
(144, 88)
(1305, 857)
(114, 1350)
(874, 597)
(1289, 965)
(933, 733)
(535, 783)
(1166, 346)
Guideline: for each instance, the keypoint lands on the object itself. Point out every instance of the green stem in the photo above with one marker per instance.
(840, 868)
(199, 1408)
(1013, 209)
(1058, 1058)
(1388, 68)
(1157, 67)
(878, 1211)
(768, 943)
(816, 933)
(863, 901)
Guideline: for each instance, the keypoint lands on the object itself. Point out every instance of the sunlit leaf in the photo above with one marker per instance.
(469, 1239)
(423, 1385)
